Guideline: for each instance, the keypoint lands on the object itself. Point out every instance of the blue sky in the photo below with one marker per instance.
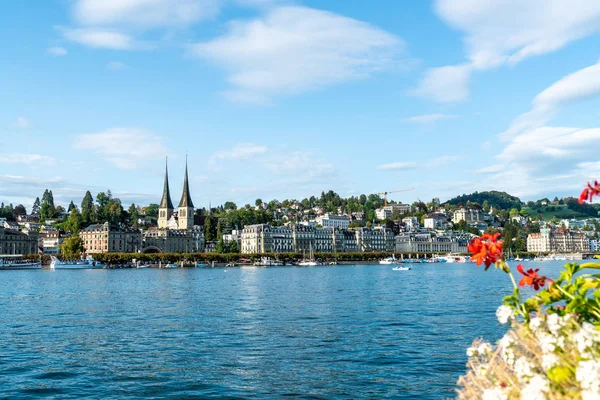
(283, 99)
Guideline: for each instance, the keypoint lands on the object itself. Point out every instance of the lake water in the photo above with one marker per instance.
(316, 332)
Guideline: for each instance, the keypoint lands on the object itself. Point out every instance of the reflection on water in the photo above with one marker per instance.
(343, 331)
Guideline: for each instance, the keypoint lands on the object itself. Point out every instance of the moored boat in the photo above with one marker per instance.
(87, 263)
(389, 260)
(401, 268)
(17, 261)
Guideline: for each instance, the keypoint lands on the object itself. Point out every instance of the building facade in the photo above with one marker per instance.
(469, 215)
(263, 238)
(50, 242)
(557, 241)
(387, 211)
(104, 238)
(17, 242)
(333, 221)
(176, 230)
(429, 243)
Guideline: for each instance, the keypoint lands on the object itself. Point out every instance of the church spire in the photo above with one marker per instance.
(166, 197)
(186, 199)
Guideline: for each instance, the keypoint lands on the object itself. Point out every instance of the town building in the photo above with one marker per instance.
(176, 230)
(104, 238)
(557, 241)
(13, 241)
(263, 238)
(50, 242)
(435, 221)
(173, 240)
(469, 215)
(387, 211)
(430, 243)
(411, 223)
(333, 221)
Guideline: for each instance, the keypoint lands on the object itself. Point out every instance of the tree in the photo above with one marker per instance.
(87, 208)
(233, 247)
(152, 210)
(133, 215)
(71, 206)
(208, 230)
(19, 210)
(113, 211)
(74, 222)
(36, 206)
(514, 212)
(220, 246)
(47, 208)
(72, 247)
(229, 205)
(102, 200)
(258, 202)
(219, 231)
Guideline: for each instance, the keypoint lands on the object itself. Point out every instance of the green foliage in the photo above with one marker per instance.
(152, 210)
(47, 207)
(36, 206)
(498, 200)
(87, 208)
(72, 247)
(73, 224)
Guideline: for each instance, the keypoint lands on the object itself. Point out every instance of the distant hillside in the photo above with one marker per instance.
(498, 200)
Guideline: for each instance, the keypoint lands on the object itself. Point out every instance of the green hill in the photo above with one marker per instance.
(498, 200)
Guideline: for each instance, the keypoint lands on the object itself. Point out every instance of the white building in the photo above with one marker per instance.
(50, 242)
(435, 221)
(429, 243)
(387, 211)
(469, 215)
(560, 241)
(333, 221)
(412, 223)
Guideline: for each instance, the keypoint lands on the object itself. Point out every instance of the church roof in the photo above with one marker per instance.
(186, 199)
(166, 202)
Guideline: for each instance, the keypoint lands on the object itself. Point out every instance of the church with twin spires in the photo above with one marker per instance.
(183, 219)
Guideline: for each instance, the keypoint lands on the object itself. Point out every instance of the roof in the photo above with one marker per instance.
(186, 199)
(166, 202)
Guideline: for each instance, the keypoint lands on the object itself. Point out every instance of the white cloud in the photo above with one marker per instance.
(125, 148)
(403, 166)
(397, 166)
(501, 32)
(143, 13)
(296, 49)
(16, 158)
(428, 118)
(21, 123)
(241, 151)
(505, 32)
(305, 165)
(574, 87)
(116, 66)
(102, 38)
(57, 51)
(492, 169)
(448, 84)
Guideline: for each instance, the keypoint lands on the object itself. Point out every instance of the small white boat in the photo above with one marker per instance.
(401, 268)
(267, 262)
(389, 260)
(87, 263)
(140, 266)
(16, 261)
(310, 261)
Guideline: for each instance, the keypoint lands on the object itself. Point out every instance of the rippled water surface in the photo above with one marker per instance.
(317, 332)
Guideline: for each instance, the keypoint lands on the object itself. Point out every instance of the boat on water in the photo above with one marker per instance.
(310, 261)
(401, 268)
(390, 260)
(84, 263)
(267, 262)
(453, 258)
(17, 261)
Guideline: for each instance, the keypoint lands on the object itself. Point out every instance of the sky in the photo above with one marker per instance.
(277, 99)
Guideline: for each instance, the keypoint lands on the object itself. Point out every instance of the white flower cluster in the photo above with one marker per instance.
(494, 394)
(588, 376)
(557, 342)
(504, 314)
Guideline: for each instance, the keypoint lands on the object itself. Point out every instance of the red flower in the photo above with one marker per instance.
(487, 249)
(531, 278)
(589, 192)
